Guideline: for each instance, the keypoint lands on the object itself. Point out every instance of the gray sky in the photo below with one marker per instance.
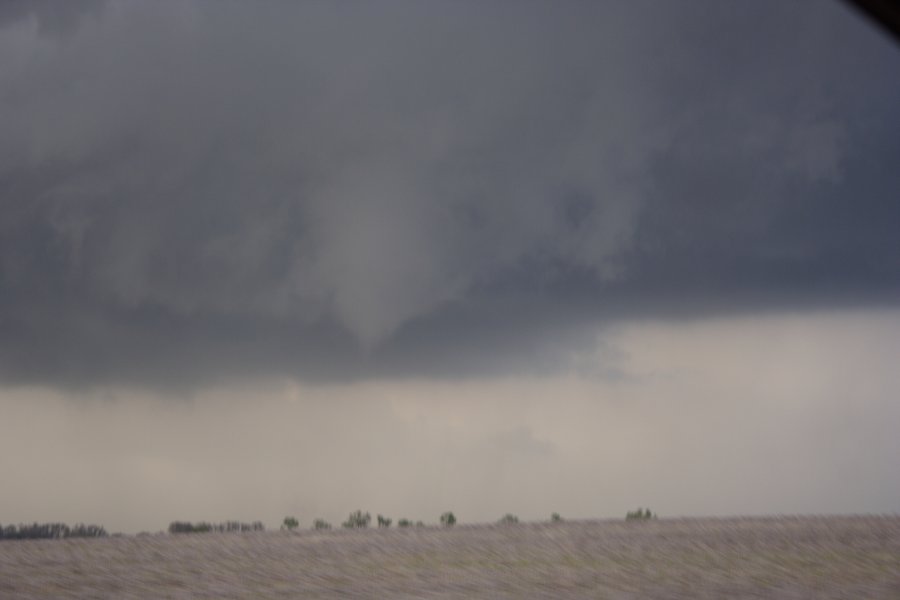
(270, 258)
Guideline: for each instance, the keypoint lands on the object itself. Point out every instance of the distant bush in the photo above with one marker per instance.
(357, 520)
(181, 527)
(321, 524)
(37, 531)
(384, 521)
(555, 518)
(448, 519)
(640, 515)
(420, 524)
(86, 531)
(508, 519)
(290, 523)
(203, 527)
(404, 523)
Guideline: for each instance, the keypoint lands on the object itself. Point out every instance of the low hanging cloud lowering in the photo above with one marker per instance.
(199, 191)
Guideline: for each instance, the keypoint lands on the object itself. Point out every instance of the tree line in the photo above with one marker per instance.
(357, 520)
(360, 520)
(46, 531)
(226, 527)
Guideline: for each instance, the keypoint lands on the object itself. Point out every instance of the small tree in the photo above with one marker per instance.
(290, 523)
(555, 518)
(508, 519)
(404, 523)
(321, 524)
(384, 522)
(358, 520)
(448, 519)
(640, 514)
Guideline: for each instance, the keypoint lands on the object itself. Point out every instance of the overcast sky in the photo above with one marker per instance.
(273, 258)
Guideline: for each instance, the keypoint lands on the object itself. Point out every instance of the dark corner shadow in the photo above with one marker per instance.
(885, 13)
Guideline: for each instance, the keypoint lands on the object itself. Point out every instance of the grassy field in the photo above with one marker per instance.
(803, 557)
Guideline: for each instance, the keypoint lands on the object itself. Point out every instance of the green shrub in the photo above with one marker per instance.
(555, 518)
(508, 519)
(404, 523)
(384, 522)
(448, 519)
(290, 523)
(321, 524)
(357, 520)
(640, 515)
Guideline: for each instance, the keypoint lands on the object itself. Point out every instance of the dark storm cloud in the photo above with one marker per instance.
(51, 17)
(197, 190)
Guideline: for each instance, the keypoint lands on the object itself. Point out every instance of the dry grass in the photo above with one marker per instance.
(808, 557)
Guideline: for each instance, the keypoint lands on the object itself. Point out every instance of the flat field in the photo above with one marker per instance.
(785, 557)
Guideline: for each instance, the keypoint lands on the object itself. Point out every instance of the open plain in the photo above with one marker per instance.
(783, 557)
